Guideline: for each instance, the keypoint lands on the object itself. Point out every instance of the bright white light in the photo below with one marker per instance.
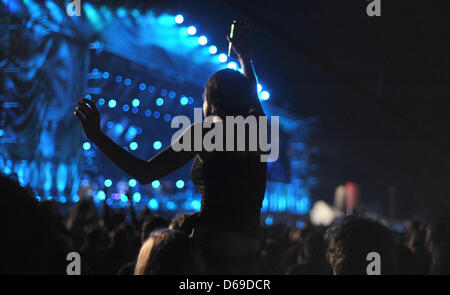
(202, 40)
(265, 95)
(179, 19)
(192, 30)
(223, 57)
(212, 49)
(232, 65)
(259, 87)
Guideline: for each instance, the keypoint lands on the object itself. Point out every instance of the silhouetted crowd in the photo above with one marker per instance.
(36, 238)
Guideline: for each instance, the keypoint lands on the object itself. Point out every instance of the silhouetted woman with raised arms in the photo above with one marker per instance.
(232, 184)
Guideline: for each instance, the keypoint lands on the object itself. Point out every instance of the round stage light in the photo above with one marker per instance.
(232, 65)
(86, 146)
(265, 95)
(192, 30)
(202, 40)
(212, 49)
(137, 197)
(148, 112)
(179, 184)
(153, 204)
(127, 82)
(108, 182)
(125, 107)
(101, 195)
(167, 117)
(109, 124)
(156, 184)
(118, 78)
(179, 19)
(132, 182)
(268, 220)
(163, 92)
(135, 102)
(133, 146)
(159, 101)
(123, 198)
(105, 75)
(101, 101)
(142, 86)
(172, 94)
(157, 145)
(156, 115)
(151, 89)
(112, 103)
(223, 57)
(184, 100)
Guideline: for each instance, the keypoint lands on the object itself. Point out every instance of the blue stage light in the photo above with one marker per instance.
(121, 12)
(265, 95)
(101, 195)
(75, 198)
(151, 89)
(167, 117)
(232, 65)
(268, 220)
(148, 112)
(153, 204)
(196, 205)
(133, 146)
(137, 197)
(118, 78)
(190, 100)
(179, 184)
(101, 101)
(183, 100)
(156, 184)
(112, 103)
(135, 12)
(159, 101)
(142, 86)
(109, 124)
(157, 145)
(131, 133)
(259, 87)
(192, 30)
(2, 132)
(223, 57)
(108, 182)
(125, 107)
(172, 94)
(86, 146)
(163, 92)
(123, 198)
(105, 75)
(127, 82)
(156, 115)
(136, 102)
(118, 128)
(202, 40)
(212, 49)
(88, 96)
(171, 205)
(135, 110)
(179, 19)
(132, 182)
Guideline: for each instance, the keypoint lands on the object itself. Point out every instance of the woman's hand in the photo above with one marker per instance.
(241, 43)
(87, 113)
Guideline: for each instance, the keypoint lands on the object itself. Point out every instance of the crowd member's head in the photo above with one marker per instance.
(406, 261)
(352, 238)
(227, 93)
(440, 259)
(166, 252)
(30, 243)
(437, 232)
(151, 224)
(184, 222)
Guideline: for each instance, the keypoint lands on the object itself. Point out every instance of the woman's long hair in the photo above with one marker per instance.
(228, 93)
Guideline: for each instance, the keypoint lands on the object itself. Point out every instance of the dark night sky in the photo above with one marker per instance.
(403, 140)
